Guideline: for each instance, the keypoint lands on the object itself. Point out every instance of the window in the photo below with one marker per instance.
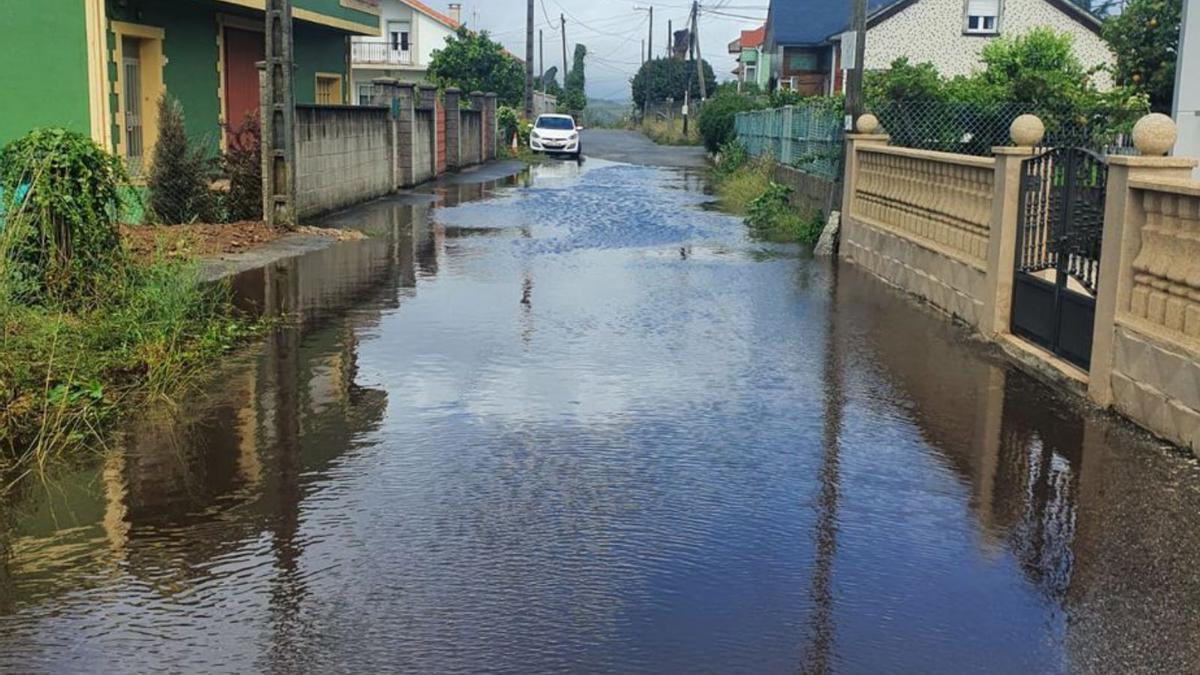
(365, 93)
(983, 17)
(329, 89)
(556, 123)
(751, 74)
(399, 42)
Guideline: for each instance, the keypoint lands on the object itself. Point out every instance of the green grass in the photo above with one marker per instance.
(744, 187)
(68, 372)
(670, 132)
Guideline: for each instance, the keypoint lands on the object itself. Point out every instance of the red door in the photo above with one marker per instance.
(244, 49)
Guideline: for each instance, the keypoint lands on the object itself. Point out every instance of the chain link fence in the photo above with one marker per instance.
(974, 128)
(807, 137)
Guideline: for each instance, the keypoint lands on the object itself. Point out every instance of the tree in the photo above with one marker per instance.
(549, 82)
(574, 98)
(660, 79)
(474, 62)
(717, 117)
(179, 178)
(1145, 38)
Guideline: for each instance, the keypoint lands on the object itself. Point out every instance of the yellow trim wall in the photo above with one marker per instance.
(150, 40)
(97, 55)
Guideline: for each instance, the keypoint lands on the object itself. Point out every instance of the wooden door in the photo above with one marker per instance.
(244, 49)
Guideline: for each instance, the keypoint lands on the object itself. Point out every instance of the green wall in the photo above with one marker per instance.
(318, 50)
(45, 78)
(334, 8)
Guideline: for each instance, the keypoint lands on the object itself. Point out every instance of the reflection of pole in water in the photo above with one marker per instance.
(819, 653)
(526, 295)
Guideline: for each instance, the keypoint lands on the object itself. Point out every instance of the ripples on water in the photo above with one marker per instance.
(577, 422)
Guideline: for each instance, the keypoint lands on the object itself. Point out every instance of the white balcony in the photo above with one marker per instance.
(379, 54)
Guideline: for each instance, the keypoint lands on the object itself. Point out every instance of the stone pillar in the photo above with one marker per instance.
(869, 133)
(1026, 132)
(477, 105)
(427, 100)
(406, 113)
(451, 103)
(277, 104)
(384, 94)
(490, 123)
(1154, 135)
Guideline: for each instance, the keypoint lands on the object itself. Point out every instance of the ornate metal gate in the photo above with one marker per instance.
(1058, 251)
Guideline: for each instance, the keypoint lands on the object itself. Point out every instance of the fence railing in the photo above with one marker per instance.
(975, 128)
(381, 53)
(807, 137)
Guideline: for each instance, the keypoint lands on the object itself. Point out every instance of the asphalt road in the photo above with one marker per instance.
(632, 147)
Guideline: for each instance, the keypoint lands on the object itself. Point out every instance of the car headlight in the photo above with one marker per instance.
(573, 137)
(535, 136)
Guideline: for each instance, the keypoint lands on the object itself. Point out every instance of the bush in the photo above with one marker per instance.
(771, 217)
(717, 119)
(179, 178)
(59, 239)
(661, 79)
(1145, 39)
(243, 165)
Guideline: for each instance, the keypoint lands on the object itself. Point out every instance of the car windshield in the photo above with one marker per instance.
(559, 123)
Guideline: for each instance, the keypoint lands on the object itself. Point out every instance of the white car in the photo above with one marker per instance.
(556, 134)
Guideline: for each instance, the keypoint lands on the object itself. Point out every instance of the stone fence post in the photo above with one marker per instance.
(406, 117)
(384, 94)
(868, 134)
(1027, 132)
(489, 125)
(785, 136)
(427, 100)
(477, 105)
(1124, 216)
(451, 104)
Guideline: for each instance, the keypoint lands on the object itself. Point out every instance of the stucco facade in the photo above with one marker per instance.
(373, 57)
(932, 31)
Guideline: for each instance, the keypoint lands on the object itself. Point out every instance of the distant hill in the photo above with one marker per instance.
(606, 113)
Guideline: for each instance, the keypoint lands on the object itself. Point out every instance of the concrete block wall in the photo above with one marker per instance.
(452, 103)
(342, 157)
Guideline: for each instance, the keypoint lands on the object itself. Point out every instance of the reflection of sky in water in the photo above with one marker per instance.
(601, 431)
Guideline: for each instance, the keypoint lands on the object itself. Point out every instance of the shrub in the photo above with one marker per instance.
(717, 119)
(179, 175)
(59, 240)
(733, 157)
(1145, 39)
(243, 164)
(771, 217)
(660, 79)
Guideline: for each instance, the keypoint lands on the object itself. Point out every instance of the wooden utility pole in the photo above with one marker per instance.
(542, 59)
(529, 60)
(278, 114)
(696, 43)
(563, 21)
(650, 40)
(854, 79)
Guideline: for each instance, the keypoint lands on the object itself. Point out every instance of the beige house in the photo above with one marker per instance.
(951, 34)
(409, 32)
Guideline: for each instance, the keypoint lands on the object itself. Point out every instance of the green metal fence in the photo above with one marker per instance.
(807, 137)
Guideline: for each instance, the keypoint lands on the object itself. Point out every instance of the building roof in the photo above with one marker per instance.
(753, 38)
(810, 22)
(432, 13)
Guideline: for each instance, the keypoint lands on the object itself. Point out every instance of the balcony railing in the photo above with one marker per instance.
(379, 53)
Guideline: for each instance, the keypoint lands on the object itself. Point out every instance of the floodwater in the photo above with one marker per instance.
(574, 421)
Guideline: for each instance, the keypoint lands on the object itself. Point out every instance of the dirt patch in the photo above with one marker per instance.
(203, 240)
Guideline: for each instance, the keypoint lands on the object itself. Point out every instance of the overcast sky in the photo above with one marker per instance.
(613, 31)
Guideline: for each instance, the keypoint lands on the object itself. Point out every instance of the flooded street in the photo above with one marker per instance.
(574, 420)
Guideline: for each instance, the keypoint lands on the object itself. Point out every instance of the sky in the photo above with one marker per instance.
(613, 31)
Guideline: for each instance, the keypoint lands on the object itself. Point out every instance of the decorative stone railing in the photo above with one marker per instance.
(932, 197)
(1166, 271)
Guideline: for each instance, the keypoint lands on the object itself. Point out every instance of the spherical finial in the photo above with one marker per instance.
(1154, 134)
(1027, 131)
(867, 124)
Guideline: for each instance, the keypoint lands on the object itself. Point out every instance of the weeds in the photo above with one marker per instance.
(105, 333)
(670, 132)
(744, 187)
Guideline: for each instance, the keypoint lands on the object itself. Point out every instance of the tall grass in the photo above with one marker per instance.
(70, 364)
(670, 132)
(744, 186)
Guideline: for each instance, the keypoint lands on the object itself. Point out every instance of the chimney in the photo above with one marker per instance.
(456, 12)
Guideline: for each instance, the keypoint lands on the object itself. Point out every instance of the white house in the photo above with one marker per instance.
(411, 31)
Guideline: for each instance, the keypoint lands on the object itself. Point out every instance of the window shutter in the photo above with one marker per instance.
(983, 7)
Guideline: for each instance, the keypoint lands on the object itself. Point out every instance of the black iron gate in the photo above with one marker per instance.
(1058, 251)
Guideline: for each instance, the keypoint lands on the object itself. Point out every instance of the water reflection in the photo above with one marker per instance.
(495, 436)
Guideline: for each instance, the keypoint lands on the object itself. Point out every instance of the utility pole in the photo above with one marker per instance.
(643, 51)
(670, 38)
(699, 58)
(854, 80)
(278, 113)
(1186, 106)
(563, 21)
(650, 39)
(529, 60)
(542, 59)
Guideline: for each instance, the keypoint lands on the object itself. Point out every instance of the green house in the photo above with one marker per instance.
(100, 66)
